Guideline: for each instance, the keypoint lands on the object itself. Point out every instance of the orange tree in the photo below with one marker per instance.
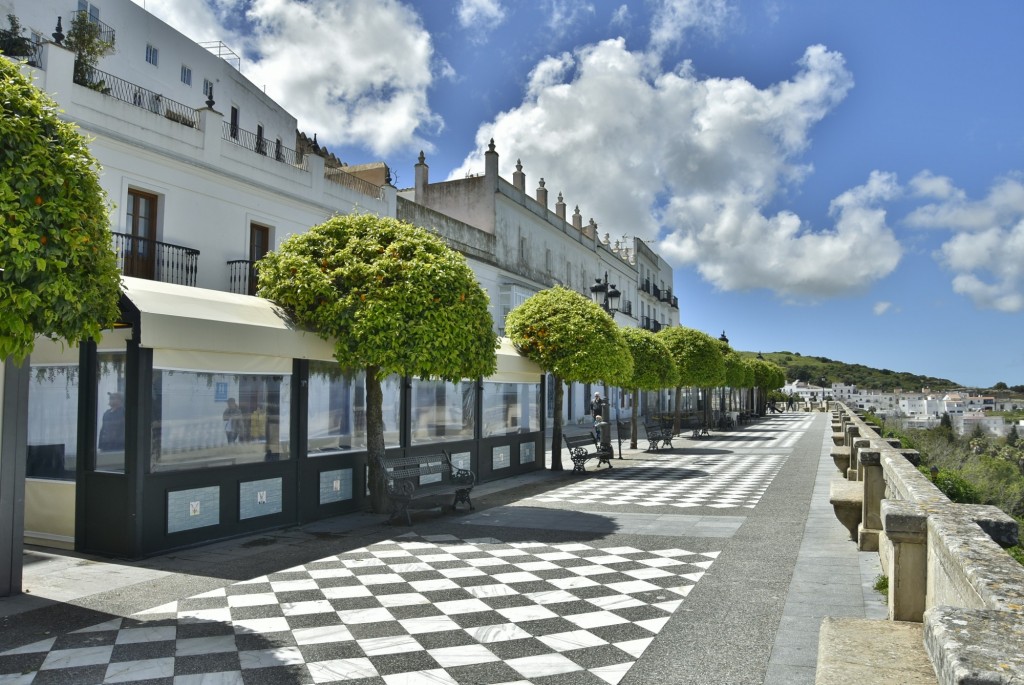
(653, 369)
(573, 339)
(698, 359)
(60, 276)
(393, 298)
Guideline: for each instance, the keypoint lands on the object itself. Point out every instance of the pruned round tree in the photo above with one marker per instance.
(574, 340)
(393, 298)
(60, 276)
(653, 369)
(698, 359)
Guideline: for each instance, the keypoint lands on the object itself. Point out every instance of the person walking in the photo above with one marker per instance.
(596, 407)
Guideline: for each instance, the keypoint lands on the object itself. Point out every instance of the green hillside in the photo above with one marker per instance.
(813, 369)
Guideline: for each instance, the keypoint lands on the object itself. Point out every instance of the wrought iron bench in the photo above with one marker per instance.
(658, 433)
(416, 476)
(578, 445)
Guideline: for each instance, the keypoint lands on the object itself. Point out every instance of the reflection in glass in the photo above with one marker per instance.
(510, 408)
(110, 412)
(53, 422)
(218, 419)
(337, 410)
(442, 411)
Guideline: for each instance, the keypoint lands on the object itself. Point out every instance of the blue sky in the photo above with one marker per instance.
(839, 179)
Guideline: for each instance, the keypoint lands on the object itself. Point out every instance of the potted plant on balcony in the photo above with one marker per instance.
(12, 43)
(86, 40)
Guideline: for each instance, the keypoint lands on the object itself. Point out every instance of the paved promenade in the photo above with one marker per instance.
(712, 562)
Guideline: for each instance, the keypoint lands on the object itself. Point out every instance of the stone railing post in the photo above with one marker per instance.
(905, 558)
(870, 460)
(855, 471)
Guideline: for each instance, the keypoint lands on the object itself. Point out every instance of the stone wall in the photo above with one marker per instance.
(945, 561)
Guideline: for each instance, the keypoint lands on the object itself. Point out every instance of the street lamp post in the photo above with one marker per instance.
(605, 295)
(823, 382)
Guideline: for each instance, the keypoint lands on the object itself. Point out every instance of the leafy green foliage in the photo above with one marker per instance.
(697, 355)
(954, 486)
(653, 367)
(60, 276)
(12, 43)
(570, 337)
(390, 294)
(86, 41)
(811, 369)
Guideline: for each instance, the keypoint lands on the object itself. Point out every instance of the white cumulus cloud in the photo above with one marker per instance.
(881, 308)
(480, 15)
(673, 19)
(986, 252)
(693, 162)
(359, 89)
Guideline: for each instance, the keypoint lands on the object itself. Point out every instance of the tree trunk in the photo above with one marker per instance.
(556, 429)
(375, 439)
(633, 419)
(677, 421)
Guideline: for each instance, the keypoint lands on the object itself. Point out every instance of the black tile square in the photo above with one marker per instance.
(248, 589)
(206, 663)
(350, 603)
(258, 611)
(290, 596)
(447, 638)
(247, 642)
(507, 601)
(601, 655)
(389, 664)
(621, 632)
(314, 620)
(142, 650)
(478, 618)
(362, 631)
(547, 626)
(21, 663)
(277, 675)
(78, 674)
(485, 674)
(414, 611)
(199, 603)
(92, 639)
(326, 651)
(204, 629)
(514, 649)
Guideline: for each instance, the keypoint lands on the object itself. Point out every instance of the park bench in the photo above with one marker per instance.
(416, 476)
(578, 445)
(657, 433)
(699, 429)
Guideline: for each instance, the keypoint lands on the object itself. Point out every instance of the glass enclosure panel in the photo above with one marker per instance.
(203, 419)
(110, 412)
(52, 422)
(337, 410)
(510, 408)
(442, 411)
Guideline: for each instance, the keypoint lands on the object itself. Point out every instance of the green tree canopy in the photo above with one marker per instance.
(60, 276)
(653, 368)
(391, 295)
(393, 298)
(697, 355)
(735, 371)
(573, 339)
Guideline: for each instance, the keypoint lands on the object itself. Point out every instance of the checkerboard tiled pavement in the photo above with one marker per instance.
(432, 609)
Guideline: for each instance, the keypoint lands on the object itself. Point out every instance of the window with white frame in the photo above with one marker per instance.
(207, 87)
(152, 54)
(186, 75)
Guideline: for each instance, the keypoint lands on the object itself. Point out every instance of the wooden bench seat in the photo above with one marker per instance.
(657, 433)
(415, 476)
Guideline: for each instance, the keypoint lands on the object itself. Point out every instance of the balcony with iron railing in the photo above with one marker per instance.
(626, 307)
(645, 286)
(262, 146)
(352, 182)
(143, 98)
(104, 33)
(154, 260)
(675, 302)
(666, 295)
(656, 292)
(242, 276)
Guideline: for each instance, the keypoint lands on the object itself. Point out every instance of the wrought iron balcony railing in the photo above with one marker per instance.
(242, 277)
(103, 32)
(675, 302)
(261, 146)
(656, 291)
(666, 295)
(352, 182)
(646, 286)
(125, 91)
(156, 261)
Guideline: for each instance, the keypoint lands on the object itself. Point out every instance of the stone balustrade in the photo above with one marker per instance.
(946, 566)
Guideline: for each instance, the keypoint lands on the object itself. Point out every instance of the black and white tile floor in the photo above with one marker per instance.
(413, 609)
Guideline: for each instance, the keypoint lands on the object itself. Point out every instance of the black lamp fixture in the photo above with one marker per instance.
(759, 356)
(823, 382)
(723, 338)
(605, 294)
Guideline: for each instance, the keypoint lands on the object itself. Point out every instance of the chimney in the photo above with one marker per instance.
(542, 194)
(422, 179)
(577, 219)
(591, 231)
(491, 166)
(560, 208)
(518, 177)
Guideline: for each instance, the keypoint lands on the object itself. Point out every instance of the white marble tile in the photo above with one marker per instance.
(380, 578)
(591, 570)
(411, 567)
(275, 624)
(542, 665)
(502, 632)
(610, 602)
(576, 639)
(434, 584)
(317, 606)
(653, 624)
(346, 591)
(194, 646)
(341, 669)
(537, 566)
(430, 558)
(644, 573)
(113, 624)
(465, 655)
(294, 585)
(135, 671)
(253, 600)
(428, 624)
(222, 615)
(552, 597)
(362, 563)
(527, 613)
(612, 674)
(35, 647)
(373, 615)
(396, 644)
(461, 606)
(81, 656)
(267, 658)
(402, 599)
(515, 577)
(486, 561)
(436, 676)
(319, 635)
(461, 572)
(635, 647)
(330, 573)
(219, 678)
(631, 586)
(573, 582)
(596, 619)
(495, 590)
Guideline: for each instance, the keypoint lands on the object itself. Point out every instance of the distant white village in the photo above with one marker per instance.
(922, 409)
